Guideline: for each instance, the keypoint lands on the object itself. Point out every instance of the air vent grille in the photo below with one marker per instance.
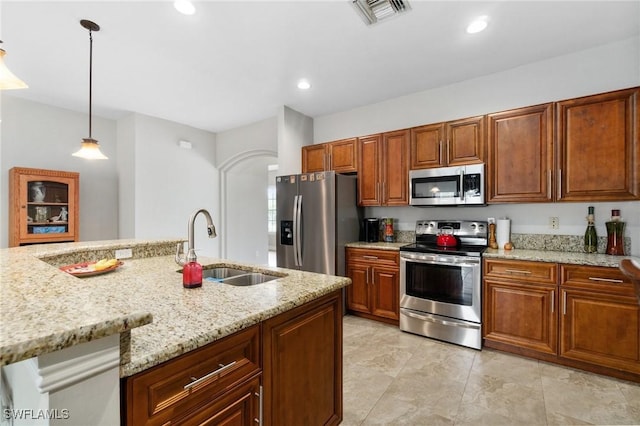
(373, 11)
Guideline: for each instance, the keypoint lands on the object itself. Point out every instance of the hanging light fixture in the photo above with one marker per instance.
(8, 80)
(90, 148)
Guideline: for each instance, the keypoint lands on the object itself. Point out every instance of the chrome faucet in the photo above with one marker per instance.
(191, 252)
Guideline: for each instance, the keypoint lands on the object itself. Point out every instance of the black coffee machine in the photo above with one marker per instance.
(370, 229)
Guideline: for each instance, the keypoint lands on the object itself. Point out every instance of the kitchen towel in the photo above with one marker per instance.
(503, 231)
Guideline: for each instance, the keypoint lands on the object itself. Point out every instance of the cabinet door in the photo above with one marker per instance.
(313, 158)
(466, 141)
(43, 206)
(358, 291)
(520, 315)
(395, 168)
(427, 146)
(598, 147)
(302, 364)
(343, 155)
(601, 329)
(385, 293)
(520, 155)
(369, 177)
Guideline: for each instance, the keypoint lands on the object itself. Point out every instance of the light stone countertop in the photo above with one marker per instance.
(521, 254)
(45, 309)
(376, 246)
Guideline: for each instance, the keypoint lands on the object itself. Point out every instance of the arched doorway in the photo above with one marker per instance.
(244, 180)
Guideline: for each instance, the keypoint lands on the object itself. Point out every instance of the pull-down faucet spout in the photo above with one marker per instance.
(191, 252)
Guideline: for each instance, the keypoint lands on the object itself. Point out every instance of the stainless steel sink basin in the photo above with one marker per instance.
(251, 278)
(237, 277)
(218, 274)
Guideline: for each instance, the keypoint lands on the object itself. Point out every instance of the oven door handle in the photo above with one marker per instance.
(430, 318)
(439, 262)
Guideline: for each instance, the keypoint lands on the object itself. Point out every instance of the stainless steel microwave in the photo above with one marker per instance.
(447, 186)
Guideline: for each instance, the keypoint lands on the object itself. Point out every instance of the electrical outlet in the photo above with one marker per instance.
(554, 222)
(124, 254)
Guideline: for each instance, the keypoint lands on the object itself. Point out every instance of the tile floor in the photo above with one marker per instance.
(396, 378)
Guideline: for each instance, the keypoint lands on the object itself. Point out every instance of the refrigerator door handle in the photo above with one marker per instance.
(297, 206)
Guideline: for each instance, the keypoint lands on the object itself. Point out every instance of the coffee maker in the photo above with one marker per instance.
(370, 230)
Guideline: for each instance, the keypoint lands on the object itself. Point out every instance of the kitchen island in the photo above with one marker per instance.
(142, 306)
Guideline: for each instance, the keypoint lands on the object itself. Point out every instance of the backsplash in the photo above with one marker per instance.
(567, 243)
(545, 242)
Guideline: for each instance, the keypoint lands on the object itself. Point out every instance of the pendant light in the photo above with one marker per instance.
(90, 149)
(8, 80)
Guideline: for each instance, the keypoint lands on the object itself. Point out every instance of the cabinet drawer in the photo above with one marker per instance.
(162, 392)
(379, 257)
(521, 270)
(600, 278)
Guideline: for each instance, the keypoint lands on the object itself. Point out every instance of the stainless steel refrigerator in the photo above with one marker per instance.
(317, 214)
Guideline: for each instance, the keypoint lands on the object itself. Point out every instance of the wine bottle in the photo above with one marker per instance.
(590, 236)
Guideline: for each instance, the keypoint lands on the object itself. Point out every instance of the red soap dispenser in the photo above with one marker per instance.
(191, 273)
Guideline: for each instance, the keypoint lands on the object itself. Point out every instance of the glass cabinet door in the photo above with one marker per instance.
(45, 206)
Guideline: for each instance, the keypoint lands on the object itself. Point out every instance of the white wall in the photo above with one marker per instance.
(126, 177)
(171, 182)
(610, 67)
(42, 136)
(294, 131)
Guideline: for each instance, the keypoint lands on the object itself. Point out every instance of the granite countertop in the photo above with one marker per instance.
(45, 309)
(522, 254)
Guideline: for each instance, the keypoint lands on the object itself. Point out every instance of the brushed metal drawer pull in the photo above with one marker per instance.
(553, 301)
(213, 373)
(368, 257)
(518, 271)
(607, 280)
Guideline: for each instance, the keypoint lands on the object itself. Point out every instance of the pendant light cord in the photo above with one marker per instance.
(90, 78)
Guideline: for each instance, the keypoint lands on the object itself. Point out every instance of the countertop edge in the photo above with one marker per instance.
(64, 339)
(573, 258)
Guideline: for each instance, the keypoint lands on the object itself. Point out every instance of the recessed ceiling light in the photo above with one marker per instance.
(184, 7)
(304, 85)
(478, 24)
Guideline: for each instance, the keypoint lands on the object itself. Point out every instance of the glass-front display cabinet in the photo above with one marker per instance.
(43, 206)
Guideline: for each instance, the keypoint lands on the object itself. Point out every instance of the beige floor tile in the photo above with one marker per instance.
(396, 378)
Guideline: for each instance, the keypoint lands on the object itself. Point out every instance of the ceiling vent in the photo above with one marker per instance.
(373, 11)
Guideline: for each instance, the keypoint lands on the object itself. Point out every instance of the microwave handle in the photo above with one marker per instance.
(462, 183)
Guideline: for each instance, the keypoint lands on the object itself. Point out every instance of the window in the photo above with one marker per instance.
(271, 208)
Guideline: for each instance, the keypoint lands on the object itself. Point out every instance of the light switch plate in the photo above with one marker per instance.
(124, 253)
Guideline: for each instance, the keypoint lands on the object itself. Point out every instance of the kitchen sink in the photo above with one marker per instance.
(218, 274)
(251, 278)
(236, 277)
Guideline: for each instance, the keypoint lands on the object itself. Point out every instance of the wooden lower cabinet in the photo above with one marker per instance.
(600, 318)
(374, 291)
(302, 365)
(521, 315)
(296, 356)
(584, 317)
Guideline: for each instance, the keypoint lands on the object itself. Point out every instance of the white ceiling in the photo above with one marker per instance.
(236, 62)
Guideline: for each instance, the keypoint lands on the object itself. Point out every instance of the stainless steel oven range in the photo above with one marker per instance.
(440, 287)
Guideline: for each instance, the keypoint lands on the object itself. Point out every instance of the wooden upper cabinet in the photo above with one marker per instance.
(369, 173)
(395, 168)
(340, 156)
(466, 141)
(313, 158)
(598, 153)
(520, 155)
(426, 146)
(343, 155)
(448, 144)
(383, 169)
